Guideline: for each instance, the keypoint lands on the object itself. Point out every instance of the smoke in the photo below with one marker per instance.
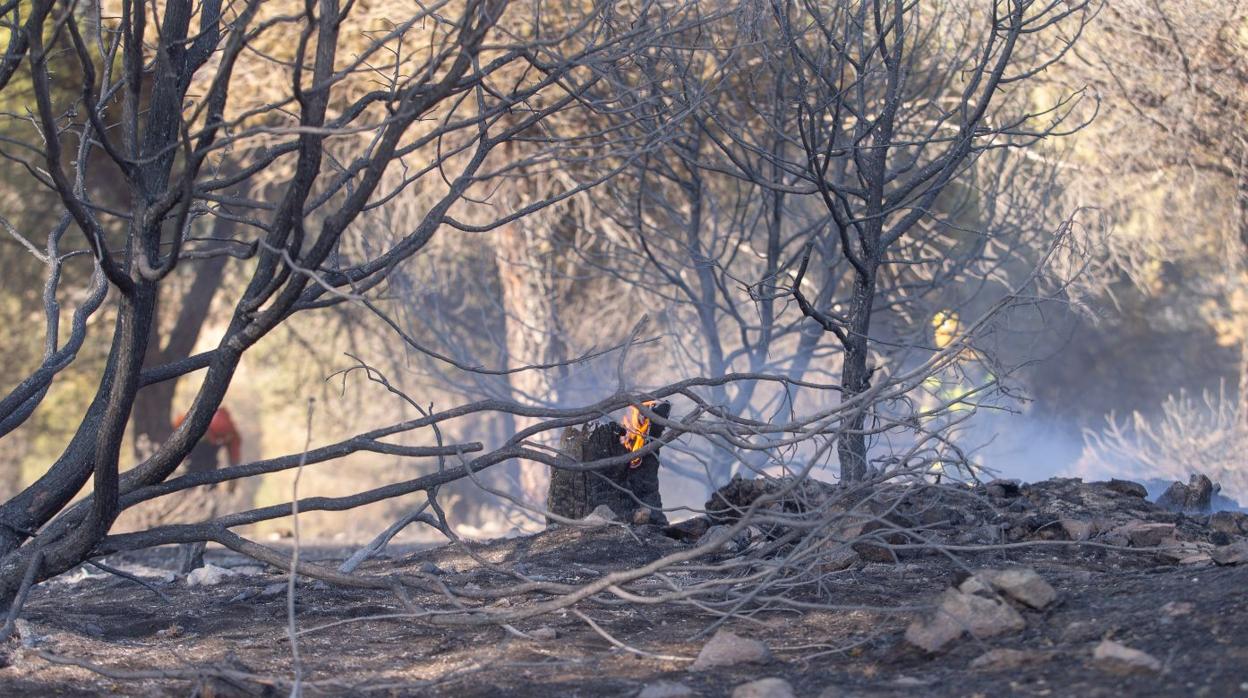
(1030, 447)
(1024, 446)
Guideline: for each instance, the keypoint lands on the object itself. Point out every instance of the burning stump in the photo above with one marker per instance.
(630, 489)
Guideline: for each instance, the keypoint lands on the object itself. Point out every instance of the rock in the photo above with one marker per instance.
(764, 688)
(1146, 535)
(1078, 631)
(1231, 523)
(1174, 609)
(1233, 554)
(1022, 584)
(990, 534)
(431, 568)
(273, 589)
(1115, 538)
(1120, 659)
(207, 576)
(958, 613)
(1004, 489)
(244, 595)
(600, 516)
(728, 649)
(644, 516)
(1127, 487)
(1183, 552)
(1076, 529)
(1002, 659)
(544, 634)
(716, 536)
(838, 557)
(689, 529)
(1196, 497)
(666, 689)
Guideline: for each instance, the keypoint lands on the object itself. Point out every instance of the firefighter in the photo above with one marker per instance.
(222, 435)
(948, 387)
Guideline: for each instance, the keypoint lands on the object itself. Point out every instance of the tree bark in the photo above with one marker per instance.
(533, 330)
(856, 379)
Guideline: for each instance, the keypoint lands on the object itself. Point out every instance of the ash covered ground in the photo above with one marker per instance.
(1085, 589)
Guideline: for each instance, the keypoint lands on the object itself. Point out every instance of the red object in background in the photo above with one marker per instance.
(221, 432)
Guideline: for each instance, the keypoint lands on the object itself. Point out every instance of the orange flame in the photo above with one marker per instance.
(636, 428)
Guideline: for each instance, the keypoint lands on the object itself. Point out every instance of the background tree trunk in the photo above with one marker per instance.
(153, 406)
(526, 268)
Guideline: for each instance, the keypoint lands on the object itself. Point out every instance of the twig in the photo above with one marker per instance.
(130, 578)
(292, 629)
(383, 539)
(627, 648)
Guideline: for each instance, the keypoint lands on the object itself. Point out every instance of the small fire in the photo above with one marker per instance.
(636, 428)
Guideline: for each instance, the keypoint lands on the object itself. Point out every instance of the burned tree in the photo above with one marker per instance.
(630, 489)
(889, 118)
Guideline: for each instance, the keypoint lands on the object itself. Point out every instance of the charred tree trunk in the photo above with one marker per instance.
(631, 492)
(856, 379)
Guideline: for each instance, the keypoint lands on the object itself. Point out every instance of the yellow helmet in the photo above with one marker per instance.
(945, 326)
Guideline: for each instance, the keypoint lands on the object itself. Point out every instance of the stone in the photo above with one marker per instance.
(430, 568)
(958, 613)
(1233, 554)
(838, 557)
(1231, 523)
(643, 517)
(989, 534)
(1127, 487)
(728, 649)
(1022, 584)
(764, 688)
(716, 536)
(544, 634)
(1002, 659)
(689, 529)
(601, 516)
(1114, 538)
(1078, 631)
(1196, 497)
(1076, 529)
(1174, 609)
(1182, 552)
(666, 689)
(1146, 535)
(1004, 489)
(208, 575)
(1116, 658)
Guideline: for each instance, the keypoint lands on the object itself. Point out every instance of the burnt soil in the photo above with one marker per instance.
(231, 638)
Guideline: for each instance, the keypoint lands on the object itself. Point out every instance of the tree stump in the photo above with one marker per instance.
(632, 492)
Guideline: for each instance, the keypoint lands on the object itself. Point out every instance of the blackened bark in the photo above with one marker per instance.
(627, 490)
(855, 379)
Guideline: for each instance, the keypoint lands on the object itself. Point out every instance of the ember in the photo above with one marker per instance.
(636, 430)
